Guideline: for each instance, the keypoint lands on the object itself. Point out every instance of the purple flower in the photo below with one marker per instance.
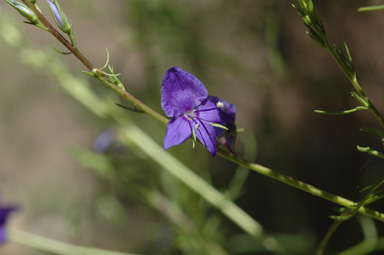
(185, 99)
(104, 141)
(228, 116)
(4, 212)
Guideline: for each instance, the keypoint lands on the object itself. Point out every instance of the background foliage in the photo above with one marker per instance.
(254, 54)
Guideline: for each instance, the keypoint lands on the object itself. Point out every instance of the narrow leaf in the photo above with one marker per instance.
(130, 109)
(218, 125)
(371, 8)
(342, 112)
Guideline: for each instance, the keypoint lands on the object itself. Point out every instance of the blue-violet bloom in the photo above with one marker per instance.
(185, 99)
(4, 214)
(227, 111)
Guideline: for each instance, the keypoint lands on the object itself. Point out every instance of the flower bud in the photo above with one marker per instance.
(59, 16)
(25, 11)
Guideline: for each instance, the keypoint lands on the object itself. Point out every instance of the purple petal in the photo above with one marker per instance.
(178, 131)
(227, 111)
(206, 135)
(181, 92)
(104, 140)
(209, 112)
(3, 236)
(4, 211)
(55, 13)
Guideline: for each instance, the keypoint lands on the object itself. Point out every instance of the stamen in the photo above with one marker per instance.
(219, 104)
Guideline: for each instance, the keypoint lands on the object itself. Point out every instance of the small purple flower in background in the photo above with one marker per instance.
(185, 99)
(4, 214)
(107, 142)
(104, 141)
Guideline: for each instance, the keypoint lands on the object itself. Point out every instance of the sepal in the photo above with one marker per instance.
(24, 11)
(59, 16)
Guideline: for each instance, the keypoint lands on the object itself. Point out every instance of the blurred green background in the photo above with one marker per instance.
(254, 54)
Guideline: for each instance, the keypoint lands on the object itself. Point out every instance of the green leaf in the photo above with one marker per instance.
(130, 109)
(193, 138)
(371, 8)
(61, 52)
(373, 131)
(370, 151)
(218, 125)
(360, 99)
(342, 112)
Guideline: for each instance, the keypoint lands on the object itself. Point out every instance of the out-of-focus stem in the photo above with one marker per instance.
(55, 247)
(252, 166)
(355, 84)
(99, 75)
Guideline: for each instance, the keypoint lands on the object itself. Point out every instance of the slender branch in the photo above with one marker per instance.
(56, 247)
(252, 166)
(301, 185)
(99, 75)
(335, 225)
(355, 83)
(59, 36)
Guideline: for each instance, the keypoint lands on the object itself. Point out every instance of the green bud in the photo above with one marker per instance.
(24, 11)
(59, 16)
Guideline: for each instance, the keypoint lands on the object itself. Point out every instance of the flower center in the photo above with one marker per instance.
(190, 115)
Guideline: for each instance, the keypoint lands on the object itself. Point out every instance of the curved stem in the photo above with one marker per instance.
(53, 246)
(328, 235)
(355, 84)
(301, 185)
(59, 36)
(99, 75)
(252, 166)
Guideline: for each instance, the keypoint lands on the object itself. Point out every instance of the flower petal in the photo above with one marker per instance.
(206, 135)
(210, 113)
(181, 92)
(4, 211)
(227, 110)
(3, 237)
(178, 131)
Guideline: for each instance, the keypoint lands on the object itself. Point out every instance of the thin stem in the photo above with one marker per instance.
(371, 8)
(252, 166)
(59, 36)
(345, 216)
(53, 246)
(355, 84)
(99, 75)
(301, 185)
(335, 225)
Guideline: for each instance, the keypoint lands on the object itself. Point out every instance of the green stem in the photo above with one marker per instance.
(355, 84)
(99, 75)
(330, 232)
(53, 246)
(301, 185)
(136, 136)
(365, 247)
(255, 167)
(175, 215)
(371, 8)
